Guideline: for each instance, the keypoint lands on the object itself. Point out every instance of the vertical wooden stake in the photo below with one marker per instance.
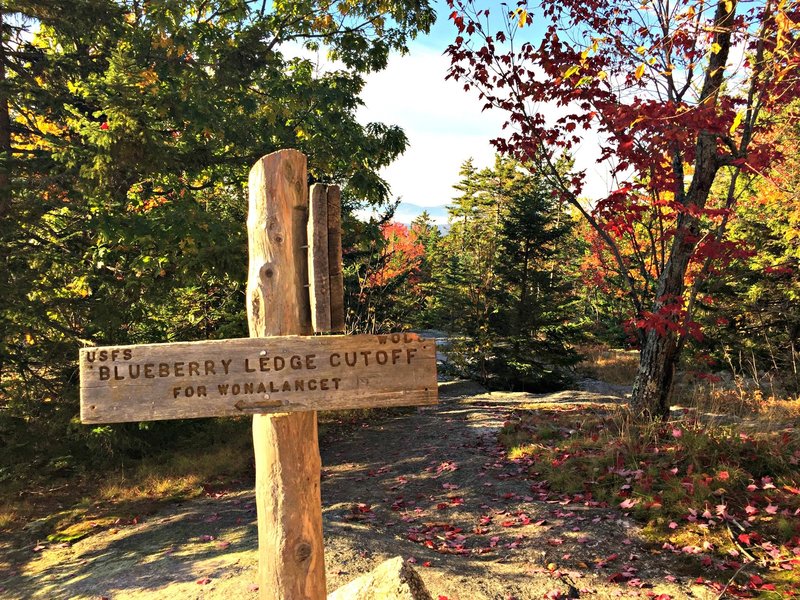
(290, 550)
(318, 277)
(336, 284)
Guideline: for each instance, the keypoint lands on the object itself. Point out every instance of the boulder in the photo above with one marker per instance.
(393, 579)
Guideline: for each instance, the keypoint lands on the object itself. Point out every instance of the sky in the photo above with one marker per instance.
(444, 124)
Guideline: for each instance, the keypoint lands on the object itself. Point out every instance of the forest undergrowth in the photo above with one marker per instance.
(720, 476)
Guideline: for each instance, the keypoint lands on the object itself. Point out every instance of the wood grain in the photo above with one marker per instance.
(336, 284)
(277, 300)
(318, 273)
(163, 381)
(291, 563)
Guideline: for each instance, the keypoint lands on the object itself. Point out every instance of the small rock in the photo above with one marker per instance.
(393, 579)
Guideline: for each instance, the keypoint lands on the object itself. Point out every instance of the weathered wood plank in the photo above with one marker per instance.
(291, 561)
(318, 275)
(336, 285)
(255, 375)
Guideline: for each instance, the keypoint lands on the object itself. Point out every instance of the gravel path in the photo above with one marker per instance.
(431, 486)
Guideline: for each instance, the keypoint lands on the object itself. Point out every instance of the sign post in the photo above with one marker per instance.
(294, 285)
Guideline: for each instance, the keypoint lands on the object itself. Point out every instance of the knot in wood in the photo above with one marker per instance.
(302, 552)
(267, 270)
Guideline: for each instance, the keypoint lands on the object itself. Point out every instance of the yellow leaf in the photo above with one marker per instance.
(602, 75)
(715, 48)
(639, 71)
(737, 120)
(523, 17)
(571, 71)
(29, 339)
(641, 50)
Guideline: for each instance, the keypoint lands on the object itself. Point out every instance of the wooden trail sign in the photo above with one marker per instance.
(294, 288)
(275, 374)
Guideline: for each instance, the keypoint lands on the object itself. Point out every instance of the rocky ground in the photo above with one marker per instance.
(431, 485)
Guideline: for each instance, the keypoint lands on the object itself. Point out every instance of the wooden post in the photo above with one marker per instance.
(318, 276)
(336, 278)
(228, 377)
(291, 560)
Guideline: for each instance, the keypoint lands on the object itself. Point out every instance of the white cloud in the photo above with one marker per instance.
(444, 124)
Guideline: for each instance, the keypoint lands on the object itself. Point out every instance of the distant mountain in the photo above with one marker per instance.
(407, 212)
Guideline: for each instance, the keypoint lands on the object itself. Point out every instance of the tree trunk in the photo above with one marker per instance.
(659, 354)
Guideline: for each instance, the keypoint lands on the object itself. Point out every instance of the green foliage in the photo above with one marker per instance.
(750, 309)
(506, 282)
(131, 129)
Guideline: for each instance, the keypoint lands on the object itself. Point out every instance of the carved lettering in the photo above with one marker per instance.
(410, 352)
(155, 381)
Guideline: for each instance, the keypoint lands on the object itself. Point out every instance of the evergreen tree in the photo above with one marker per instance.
(507, 283)
(127, 130)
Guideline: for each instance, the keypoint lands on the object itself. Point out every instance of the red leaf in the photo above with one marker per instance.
(204, 581)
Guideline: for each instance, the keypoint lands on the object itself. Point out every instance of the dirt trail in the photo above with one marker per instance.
(432, 486)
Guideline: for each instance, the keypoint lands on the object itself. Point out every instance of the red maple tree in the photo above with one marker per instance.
(678, 94)
(401, 254)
